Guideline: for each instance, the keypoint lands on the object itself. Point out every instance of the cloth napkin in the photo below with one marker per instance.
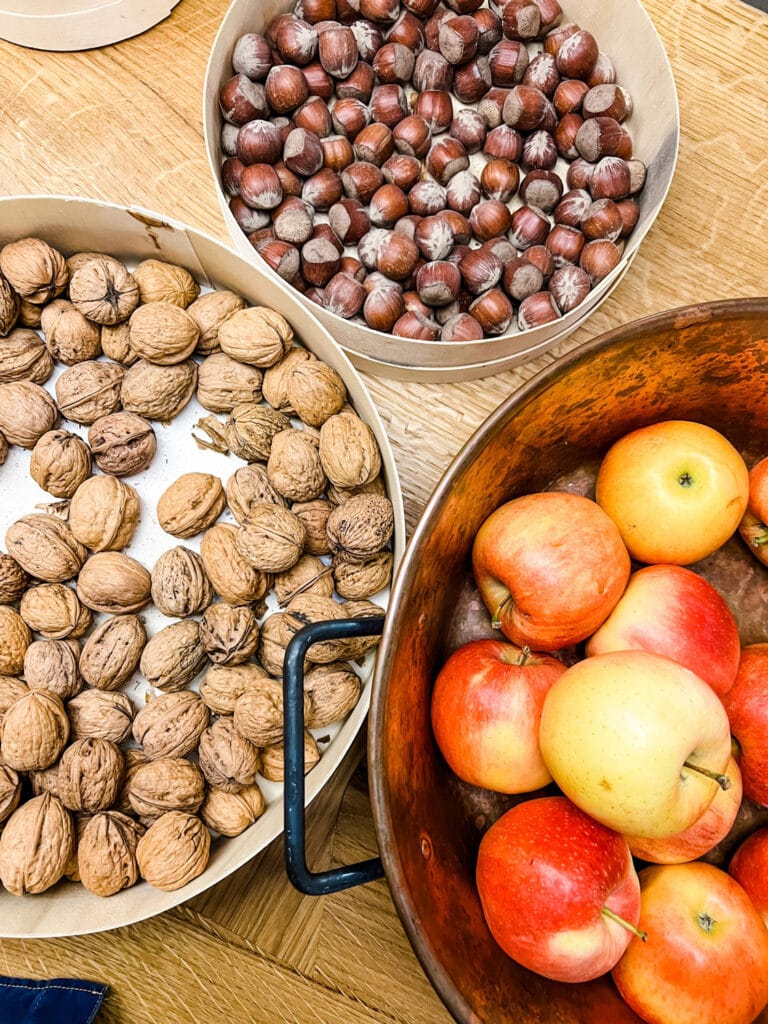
(57, 1001)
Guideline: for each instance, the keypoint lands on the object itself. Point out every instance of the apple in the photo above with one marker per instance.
(550, 567)
(677, 490)
(637, 741)
(753, 528)
(749, 866)
(706, 957)
(486, 707)
(559, 891)
(673, 611)
(703, 835)
(747, 706)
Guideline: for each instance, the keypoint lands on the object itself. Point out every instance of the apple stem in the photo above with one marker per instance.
(607, 912)
(525, 655)
(722, 780)
(496, 620)
(760, 540)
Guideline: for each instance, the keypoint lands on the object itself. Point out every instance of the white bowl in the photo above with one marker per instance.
(78, 24)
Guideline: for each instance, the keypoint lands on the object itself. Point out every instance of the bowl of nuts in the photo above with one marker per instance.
(453, 188)
(190, 472)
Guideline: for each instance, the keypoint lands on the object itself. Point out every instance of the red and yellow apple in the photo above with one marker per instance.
(749, 866)
(550, 567)
(705, 960)
(677, 490)
(486, 707)
(673, 611)
(747, 706)
(753, 526)
(559, 891)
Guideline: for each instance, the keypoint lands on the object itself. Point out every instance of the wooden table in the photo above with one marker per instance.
(124, 124)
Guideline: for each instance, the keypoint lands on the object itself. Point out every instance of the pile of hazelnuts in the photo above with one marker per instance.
(436, 172)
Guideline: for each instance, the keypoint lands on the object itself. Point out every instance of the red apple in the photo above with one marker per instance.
(550, 567)
(753, 528)
(747, 706)
(486, 708)
(675, 612)
(706, 957)
(749, 866)
(558, 890)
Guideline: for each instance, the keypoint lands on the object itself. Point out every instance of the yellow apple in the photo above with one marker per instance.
(677, 490)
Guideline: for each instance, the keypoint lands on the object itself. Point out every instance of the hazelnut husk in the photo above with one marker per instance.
(104, 513)
(229, 635)
(173, 657)
(180, 585)
(45, 547)
(114, 583)
(27, 412)
(158, 392)
(111, 652)
(165, 282)
(122, 443)
(104, 291)
(54, 611)
(34, 269)
(89, 390)
(250, 486)
(256, 335)
(69, 336)
(233, 578)
(191, 504)
(173, 851)
(60, 463)
(23, 356)
(223, 383)
(171, 724)
(209, 312)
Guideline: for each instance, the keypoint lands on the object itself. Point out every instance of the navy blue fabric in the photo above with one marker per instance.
(58, 1001)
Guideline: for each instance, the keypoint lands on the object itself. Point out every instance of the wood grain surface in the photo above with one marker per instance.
(124, 124)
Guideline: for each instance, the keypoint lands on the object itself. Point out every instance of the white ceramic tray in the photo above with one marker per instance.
(78, 24)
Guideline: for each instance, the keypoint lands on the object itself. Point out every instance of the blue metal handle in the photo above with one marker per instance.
(313, 883)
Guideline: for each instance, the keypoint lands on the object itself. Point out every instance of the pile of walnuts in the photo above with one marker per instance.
(93, 788)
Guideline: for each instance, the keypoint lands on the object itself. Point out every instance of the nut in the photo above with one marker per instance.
(250, 486)
(27, 412)
(355, 579)
(100, 713)
(334, 689)
(275, 386)
(308, 576)
(158, 392)
(104, 291)
(274, 638)
(35, 731)
(569, 287)
(122, 443)
(171, 725)
(163, 333)
(180, 586)
(537, 309)
(294, 468)
(106, 853)
(9, 307)
(233, 578)
(173, 657)
(36, 843)
(209, 312)
(114, 583)
(191, 504)
(272, 759)
(23, 356)
(60, 463)
(104, 512)
(45, 547)
(13, 580)
(232, 813)
(34, 269)
(69, 336)
(111, 653)
(89, 776)
(258, 713)
(223, 684)
(271, 539)
(314, 515)
(227, 760)
(10, 791)
(228, 635)
(53, 665)
(256, 335)
(89, 390)
(349, 452)
(165, 282)
(166, 784)
(174, 850)
(54, 611)
(361, 526)
(15, 638)
(223, 383)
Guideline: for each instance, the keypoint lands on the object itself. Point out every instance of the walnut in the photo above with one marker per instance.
(114, 583)
(294, 468)
(54, 611)
(314, 515)
(223, 383)
(45, 780)
(223, 684)
(228, 635)
(79, 259)
(232, 813)
(271, 539)
(15, 638)
(60, 462)
(173, 657)
(100, 713)
(88, 391)
(180, 586)
(27, 412)
(3, 449)
(355, 648)
(274, 637)
(308, 576)
(272, 759)
(133, 756)
(227, 760)
(355, 579)
(35, 731)
(45, 547)
(9, 307)
(309, 608)
(233, 579)
(35, 846)
(12, 688)
(122, 443)
(333, 689)
(104, 291)
(166, 784)
(111, 653)
(10, 790)
(116, 344)
(54, 665)
(191, 504)
(171, 725)
(29, 313)
(256, 335)
(209, 312)
(106, 853)
(69, 337)
(163, 333)
(251, 429)
(315, 391)
(104, 512)
(34, 269)
(23, 356)
(90, 772)
(13, 580)
(249, 486)
(158, 392)
(362, 526)
(165, 282)
(275, 384)
(174, 851)
(349, 451)
(258, 713)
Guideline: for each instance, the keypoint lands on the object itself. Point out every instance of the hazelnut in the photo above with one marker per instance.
(389, 104)
(572, 207)
(382, 11)
(521, 279)
(260, 187)
(231, 172)
(359, 84)
(490, 219)
(461, 327)
(432, 72)
(337, 49)
(603, 73)
(445, 158)
(302, 153)
(569, 95)
(337, 152)
(322, 189)
(432, 27)
(296, 41)
(319, 82)
(541, 257)
(637, 175)
(566, 130)
(252, 56)
(434, 237)
(520, 19)
(349, 220)
(480, 270)
(539, 152)
(409, 31)
(489, 30)
(282, 257)
(436, 108)
(314, 116)
(569, 286)
(438, 283)
(368, 37)
(508, 61)
(344, 296)
(491, 106)
(242, 100)
(427, 198)
(417, 326)
(529, 226)
(542, 189)
(349, 117)
(577, 55)
(608, 100)
(317, 10)
(293, 221)
(503, 143)
(471, 81)
(394, 63)
(602, 220)
(412, 136)
(459, 225)
(286, 88)
(401, 170)
(373, 144)
(469, 128)
(383, 308)
(457, 39)
(542, 74)
(397, 256)
(319, 261)
(369, 246)
(493, 311)
(247, 219)
(630, 214)
(579, 173)
(535, 311)
(259, 142)
(360, 180)
(463, 192)
(599, 258)
(565, 244)
(611, 178)
(603, 136)
(551, 14)
(527, 109)
(387, 205)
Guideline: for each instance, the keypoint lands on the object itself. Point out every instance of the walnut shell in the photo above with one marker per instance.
(173, 657)
(27, 412)
(334, 689)
(274, 637)
(104, 513)
(45, 547)
(258, 713)
(60, 463)
(275, 384)
(294, 468)
(250, 430)
(54, 611)
(362, 526)
(162, 333)
(171, 725)
(54, 665)
(315, 391)
(134, 756)
(111, 653)
(249, 486)
(308, 608)
(227, 760)
(104, 291)
(23, 356)
(46, 780)
(106, 853)
(35, 846)
(165, 282)
(3, 449)
(114, 583)
(209, 312)
(29, 313)
(15, 638)
(10, 791)
(174, 851)
(355, 579)
(9, 307)
(233, 579)
(271, 539)
(314, 515)
(232, 813)
(256, 335)
(273, 759)
(166, 784)
(122, 443)
(223, 684)
(90, 772)
(180, 586)
(308, 576)
(338, 495)
(35, 731)
(34, 269)
(88, 391)
(191, 504)
(79, 259)
(116, 344)
(11, 689)
(158, 392)
(228, 635)
(349, 451)
(100, 713)
(223, 383)
(356, 647)
(13, 579)
(69, 336)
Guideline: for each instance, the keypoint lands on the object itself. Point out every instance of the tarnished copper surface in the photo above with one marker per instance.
(706, 363)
